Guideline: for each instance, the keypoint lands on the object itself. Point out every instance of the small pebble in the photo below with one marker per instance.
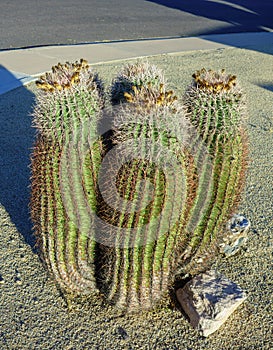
(18, 281)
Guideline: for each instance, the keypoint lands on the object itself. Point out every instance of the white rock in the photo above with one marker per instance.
(209, 299)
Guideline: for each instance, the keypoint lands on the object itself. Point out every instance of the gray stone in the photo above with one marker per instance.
(238, 227)
(209, 299)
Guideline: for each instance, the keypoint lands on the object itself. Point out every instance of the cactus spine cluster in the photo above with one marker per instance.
(177, 166)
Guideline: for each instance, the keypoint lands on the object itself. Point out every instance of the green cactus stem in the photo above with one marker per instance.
(215, 106)
(64, 171)
(149, 117)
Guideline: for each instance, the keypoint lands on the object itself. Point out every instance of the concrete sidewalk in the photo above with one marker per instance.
(19, 67)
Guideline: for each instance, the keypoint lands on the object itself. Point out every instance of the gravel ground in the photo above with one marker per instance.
(34, 316)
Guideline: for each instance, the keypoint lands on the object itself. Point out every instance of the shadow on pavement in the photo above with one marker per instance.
(242, 16)
(16, 141)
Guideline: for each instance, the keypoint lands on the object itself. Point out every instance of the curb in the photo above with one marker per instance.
(21, 66)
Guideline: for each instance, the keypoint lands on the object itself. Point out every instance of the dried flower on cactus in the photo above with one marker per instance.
(214, 82)
(64, 76)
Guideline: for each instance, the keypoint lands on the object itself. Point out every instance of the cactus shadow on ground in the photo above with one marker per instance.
(17, 139)
(268, 87)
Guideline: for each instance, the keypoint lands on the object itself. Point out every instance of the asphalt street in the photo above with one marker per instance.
(31, 23)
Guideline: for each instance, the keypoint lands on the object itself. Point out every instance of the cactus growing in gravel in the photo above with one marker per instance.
(141, 251)
(155, 150)
(168, 181)
(70, 97)
(215, 106)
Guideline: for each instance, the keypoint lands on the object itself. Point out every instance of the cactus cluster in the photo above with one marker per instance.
(128, 220)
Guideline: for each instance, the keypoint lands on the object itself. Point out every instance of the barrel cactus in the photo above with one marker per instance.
(68, 99)
(215, 105)
(153, 181)
(127, 217)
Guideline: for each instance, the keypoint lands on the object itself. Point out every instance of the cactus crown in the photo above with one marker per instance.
(140, 76)
(142, 73)
(214, 82)
(149, 97)
(69, 93)
(65, 76)
(216, 94)
(143, 86)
